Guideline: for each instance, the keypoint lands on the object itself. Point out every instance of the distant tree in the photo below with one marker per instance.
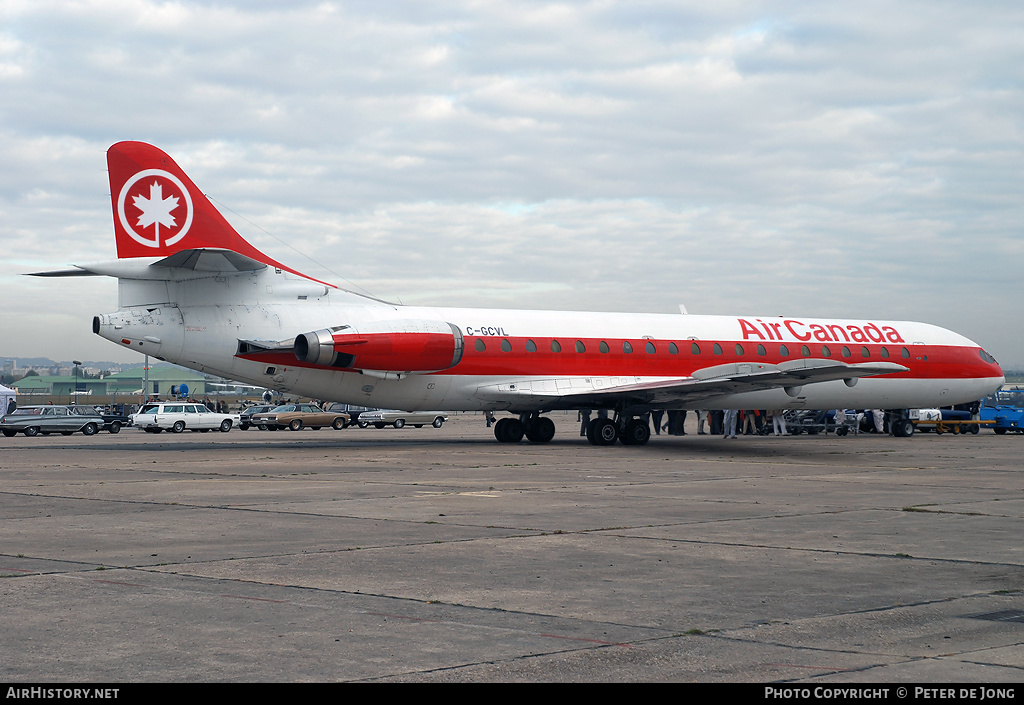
(31, 373)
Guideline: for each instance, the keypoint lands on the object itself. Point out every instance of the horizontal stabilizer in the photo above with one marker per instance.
(186, 264)
(78, 272)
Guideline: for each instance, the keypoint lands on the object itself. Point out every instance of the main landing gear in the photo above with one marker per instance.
(536, 428)
(600, 431)
(632, 432)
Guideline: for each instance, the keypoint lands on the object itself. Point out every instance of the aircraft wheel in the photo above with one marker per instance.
(225, 425)
(178, 426)
(508, 430)
(438, 422)
(399, 423)
(541, 431)
(637, 433)
(602, 432)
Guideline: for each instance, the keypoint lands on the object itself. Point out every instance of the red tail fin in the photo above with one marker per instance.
(159, 211)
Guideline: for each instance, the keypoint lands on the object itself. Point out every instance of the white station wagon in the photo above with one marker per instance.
(178, 416)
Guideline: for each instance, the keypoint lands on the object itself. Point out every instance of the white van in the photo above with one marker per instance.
(177, 416)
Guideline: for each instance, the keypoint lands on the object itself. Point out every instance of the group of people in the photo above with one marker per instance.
(731, 423)
(725, 423)
(752, 421)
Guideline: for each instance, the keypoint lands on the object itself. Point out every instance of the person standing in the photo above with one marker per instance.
(656, 416)
(779, 422)
(730, 423)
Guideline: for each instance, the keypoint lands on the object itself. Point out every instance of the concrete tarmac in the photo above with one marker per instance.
(441, 555)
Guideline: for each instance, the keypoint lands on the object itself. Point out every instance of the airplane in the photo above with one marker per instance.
(193, 292)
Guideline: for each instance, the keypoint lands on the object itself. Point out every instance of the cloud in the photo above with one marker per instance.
(738, 157)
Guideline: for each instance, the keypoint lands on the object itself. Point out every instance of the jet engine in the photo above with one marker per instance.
(401, 346)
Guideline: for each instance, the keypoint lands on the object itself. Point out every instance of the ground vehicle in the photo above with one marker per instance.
(114, 418)
(245, 418)
(379, 418)
(297, 416)
(352, 410)
(177, 416)
(1005, 409)
(35, 420)
(814, 421)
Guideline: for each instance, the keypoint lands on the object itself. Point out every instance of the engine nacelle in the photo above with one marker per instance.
(403, 346)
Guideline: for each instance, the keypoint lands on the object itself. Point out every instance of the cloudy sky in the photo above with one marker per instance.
(861, 160)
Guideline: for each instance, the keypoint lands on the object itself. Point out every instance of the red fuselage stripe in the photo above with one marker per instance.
(510, 356)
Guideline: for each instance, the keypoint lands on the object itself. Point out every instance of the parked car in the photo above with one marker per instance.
(114, 418)
(245, 418)
(35, 420)
(177, 416)
(379, 418)
(297, 416)
(350, 409)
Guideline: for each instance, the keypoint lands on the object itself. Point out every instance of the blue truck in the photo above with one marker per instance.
(1005, 409)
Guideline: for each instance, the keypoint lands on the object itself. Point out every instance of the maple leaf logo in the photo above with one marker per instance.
(156, 210)
(137, 212)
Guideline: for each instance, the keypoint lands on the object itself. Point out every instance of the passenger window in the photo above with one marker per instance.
(626, 347)
(761, 351)
(603, 347)
(505, 345)
(805, 351)
(672, 349)
(846, 351)
(694, 348)
(825, 352)
(905, 353)
(531, 346)
(556, 346)
(479, 345)
(717, 350)
(650, 348)
(739, 349)
(885, 352)
(580, 347)
(783, 351)
(864, 352)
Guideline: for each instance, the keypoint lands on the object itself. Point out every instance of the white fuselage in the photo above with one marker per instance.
(198, 321)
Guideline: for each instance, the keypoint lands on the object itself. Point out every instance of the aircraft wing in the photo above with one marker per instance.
(705, 384)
